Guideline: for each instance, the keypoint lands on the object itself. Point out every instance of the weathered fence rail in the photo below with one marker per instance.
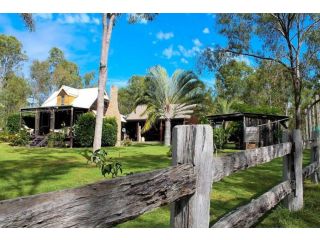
(249, 214)
(187, 186)
(226, 165)
(101, 204)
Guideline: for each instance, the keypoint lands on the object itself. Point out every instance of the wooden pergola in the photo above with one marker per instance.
(253, 124)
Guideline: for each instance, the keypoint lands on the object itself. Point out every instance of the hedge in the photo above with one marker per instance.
(84, 131)
(13, 123)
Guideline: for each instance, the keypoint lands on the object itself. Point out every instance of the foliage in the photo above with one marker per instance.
(88, 77)
(5, 136)
(264, 109)
(57, 139)
(129, 95)
(84, 131)
(49, 75)
(11, 56)
(13, 123)
(28, 21)
(66, 73)
(220, 137)
(40, 80)
(21, 138)
(106, 165)
(287, 39)
(232, 78)
(109, 134)
(14, 94)
(127, 142)
(167, 97)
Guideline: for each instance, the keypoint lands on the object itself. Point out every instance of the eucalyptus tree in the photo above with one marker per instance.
(289, 39)
(167, 97)
(108, 22)
(28, 20)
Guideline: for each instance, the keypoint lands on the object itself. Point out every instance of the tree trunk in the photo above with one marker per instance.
(167, 132)
(297, 96)
(106, 37)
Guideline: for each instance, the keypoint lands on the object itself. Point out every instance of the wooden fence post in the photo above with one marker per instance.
(288, 172)
(315, 154)
(292, 170)
(193, 144)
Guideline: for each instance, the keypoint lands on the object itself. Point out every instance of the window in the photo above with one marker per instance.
(62, 100)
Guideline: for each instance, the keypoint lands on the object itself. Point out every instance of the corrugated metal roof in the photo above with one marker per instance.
(84, 98)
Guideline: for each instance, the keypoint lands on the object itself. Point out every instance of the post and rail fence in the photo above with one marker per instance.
(186, 185)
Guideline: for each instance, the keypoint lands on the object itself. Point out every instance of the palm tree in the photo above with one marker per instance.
(167, 97)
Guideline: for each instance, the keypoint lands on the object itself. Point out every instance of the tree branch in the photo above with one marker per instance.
(255, 56)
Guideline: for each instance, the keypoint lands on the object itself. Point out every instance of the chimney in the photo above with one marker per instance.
(113, 111)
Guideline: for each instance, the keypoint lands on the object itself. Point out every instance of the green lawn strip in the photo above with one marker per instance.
(25, 171)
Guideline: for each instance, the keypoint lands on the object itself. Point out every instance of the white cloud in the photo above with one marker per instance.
(164, 36)
(206, 30)
(77, 18)
(43, 16)
(244, 59)
(170, 52)
(187, 53)
(183, 60)
(197, 42)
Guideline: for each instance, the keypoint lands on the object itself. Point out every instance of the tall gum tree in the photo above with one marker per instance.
(108, 22)
(290, 39)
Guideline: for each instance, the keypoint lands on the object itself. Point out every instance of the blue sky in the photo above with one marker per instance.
(172, 40)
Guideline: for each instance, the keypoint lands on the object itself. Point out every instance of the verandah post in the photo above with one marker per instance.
(193, 144)
(315, 154)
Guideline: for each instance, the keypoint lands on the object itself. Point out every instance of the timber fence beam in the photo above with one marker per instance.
(193, 144)
(315, 155)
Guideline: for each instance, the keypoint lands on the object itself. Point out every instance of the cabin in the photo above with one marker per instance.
(255, 129)
(63, 108)
(136, 120)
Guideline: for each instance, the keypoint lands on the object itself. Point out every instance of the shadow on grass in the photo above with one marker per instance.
(24, 177)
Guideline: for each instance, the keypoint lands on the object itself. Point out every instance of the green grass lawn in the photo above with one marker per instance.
(26, 171)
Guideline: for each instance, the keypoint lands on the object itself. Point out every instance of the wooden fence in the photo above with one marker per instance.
(186, 186)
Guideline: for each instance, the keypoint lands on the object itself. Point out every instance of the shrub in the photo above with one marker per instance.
(56, 139)
(20, 139)
(84, 131)
(109, 134)
(105, 164)
(5, 137)
(126, 142)
(13, 123)
(220, 137)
